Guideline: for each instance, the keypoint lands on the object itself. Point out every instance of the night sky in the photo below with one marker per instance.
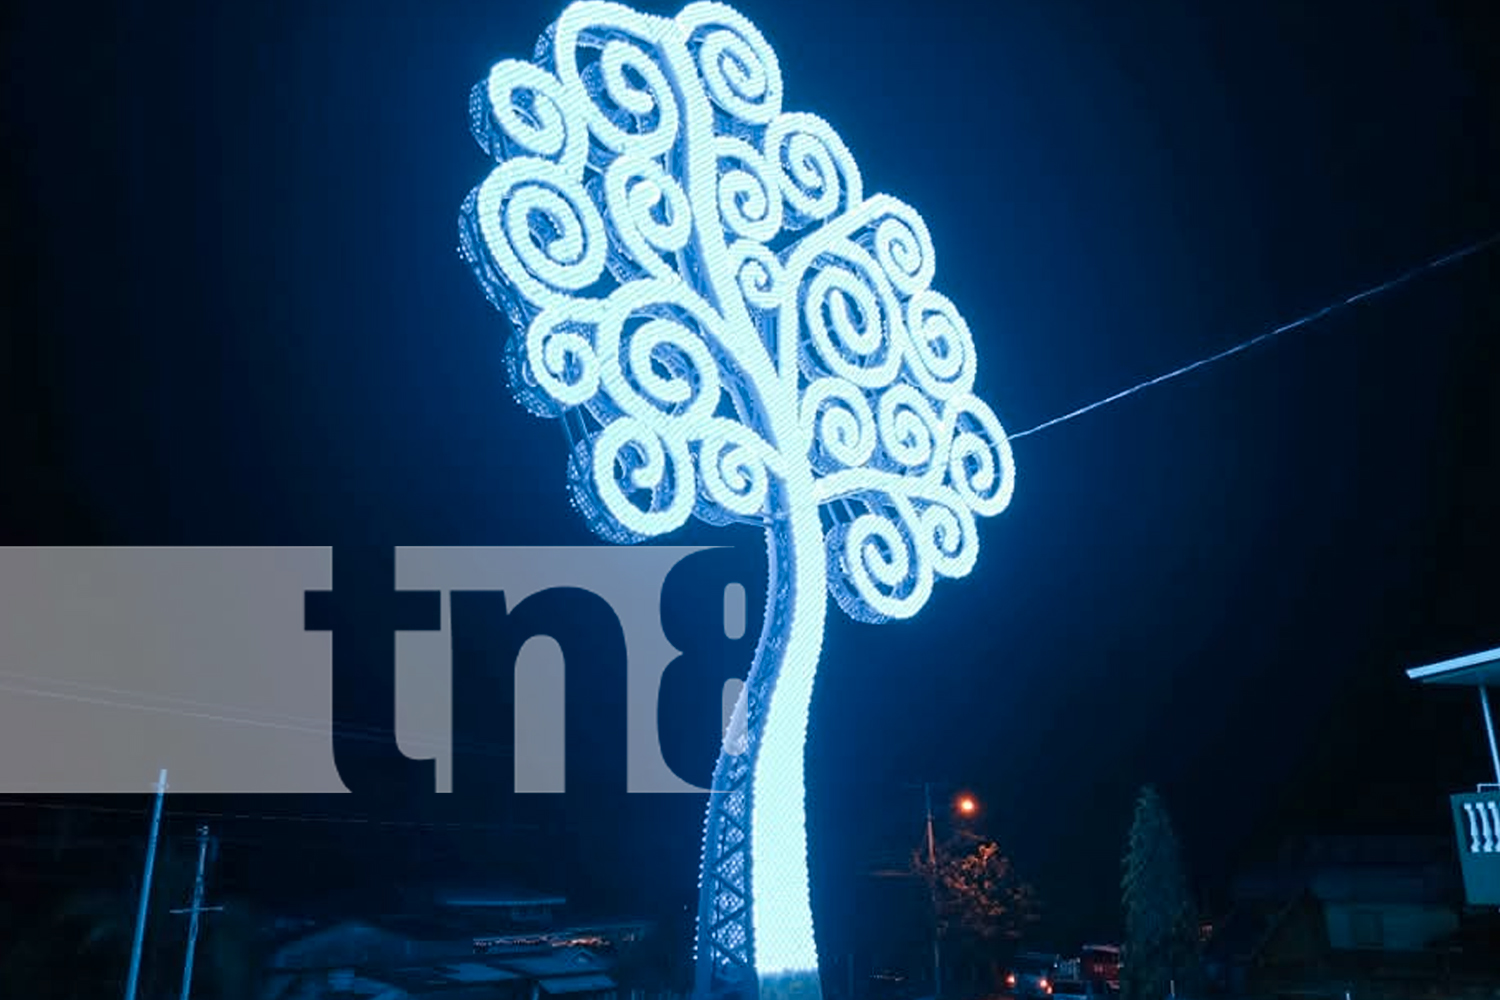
(234, 315)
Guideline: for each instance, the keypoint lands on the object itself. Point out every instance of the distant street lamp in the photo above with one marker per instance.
(967, 806)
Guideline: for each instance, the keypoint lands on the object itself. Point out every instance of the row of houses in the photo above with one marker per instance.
(507, 945)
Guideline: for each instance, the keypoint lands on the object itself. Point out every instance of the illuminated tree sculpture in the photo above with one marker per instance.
(730, 329)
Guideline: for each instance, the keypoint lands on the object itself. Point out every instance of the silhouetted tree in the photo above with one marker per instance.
(80, 947)
(1161, 940)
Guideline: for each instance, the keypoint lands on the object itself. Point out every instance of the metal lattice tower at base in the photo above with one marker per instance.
(725, 946)
(725, 952)
(725, 964)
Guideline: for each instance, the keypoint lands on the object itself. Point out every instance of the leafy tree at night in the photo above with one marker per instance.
(982, 903)
(1160, 924)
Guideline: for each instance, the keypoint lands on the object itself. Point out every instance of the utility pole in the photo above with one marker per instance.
(937, 918)
(194, 911)
(140, 916)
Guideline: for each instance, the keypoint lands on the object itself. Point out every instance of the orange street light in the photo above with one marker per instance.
(967, 805)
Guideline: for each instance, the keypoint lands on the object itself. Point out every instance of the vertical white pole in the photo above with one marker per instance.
(140, 915)
(1489, 728)
(937, 944)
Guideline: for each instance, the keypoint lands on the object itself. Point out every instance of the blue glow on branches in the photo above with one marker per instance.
(644, 170)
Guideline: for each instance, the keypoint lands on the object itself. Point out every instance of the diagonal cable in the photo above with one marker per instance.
(1310, 318)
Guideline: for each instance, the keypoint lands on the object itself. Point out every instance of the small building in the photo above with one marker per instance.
(575, 973)
(1330, 906)
(1391, 894)
(1476, 814)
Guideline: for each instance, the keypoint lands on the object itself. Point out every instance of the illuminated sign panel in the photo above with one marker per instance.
(729, 328)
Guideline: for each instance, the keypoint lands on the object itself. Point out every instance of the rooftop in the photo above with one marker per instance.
(500, 897)
(428, 976)
(1388, 869)
(1471, 670)
(568, 971)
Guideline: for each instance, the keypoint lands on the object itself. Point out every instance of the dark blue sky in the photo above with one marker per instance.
(234, 315)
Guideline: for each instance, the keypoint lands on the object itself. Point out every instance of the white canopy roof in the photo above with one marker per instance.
(1471, 670)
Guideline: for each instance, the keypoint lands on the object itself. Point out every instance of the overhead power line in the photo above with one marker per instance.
(272, 817)
(1312, 317)
(142, 701)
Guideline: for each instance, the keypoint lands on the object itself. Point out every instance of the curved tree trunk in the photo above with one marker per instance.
(761, 943)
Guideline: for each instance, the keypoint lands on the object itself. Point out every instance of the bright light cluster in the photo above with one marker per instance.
(699, 283)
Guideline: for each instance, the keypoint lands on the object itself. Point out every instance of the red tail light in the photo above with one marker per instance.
(1010, 979)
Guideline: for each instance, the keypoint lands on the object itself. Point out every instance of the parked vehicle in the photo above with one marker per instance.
(1030, 976)
(1081, 989)
(1100, 962)
(890, 984)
